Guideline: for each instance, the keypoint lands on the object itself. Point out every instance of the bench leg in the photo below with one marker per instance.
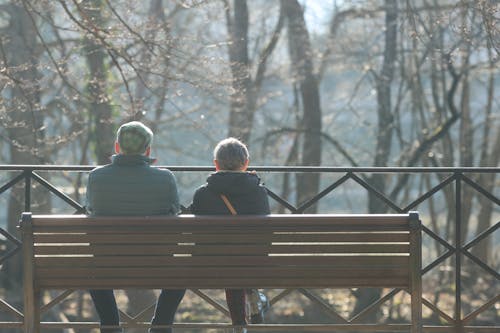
(31, 294)
(32, 313)
(416, 276)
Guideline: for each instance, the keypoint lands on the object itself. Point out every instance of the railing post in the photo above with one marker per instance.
(27, 190)
(31, 296)
(458, 253)
(416, 272)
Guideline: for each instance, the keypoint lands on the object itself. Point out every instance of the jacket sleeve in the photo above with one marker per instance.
(195, 205)
(175, 207)
(88, 194)
(266, 210)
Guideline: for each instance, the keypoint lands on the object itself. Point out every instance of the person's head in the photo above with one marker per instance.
(231, 155)
(133, 138)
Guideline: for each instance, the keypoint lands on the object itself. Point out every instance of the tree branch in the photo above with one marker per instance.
(266, 53)
(47, 49)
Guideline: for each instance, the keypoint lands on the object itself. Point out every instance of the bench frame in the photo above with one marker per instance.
(40, 228)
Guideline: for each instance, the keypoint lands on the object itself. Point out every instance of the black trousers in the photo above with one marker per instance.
(166, 306)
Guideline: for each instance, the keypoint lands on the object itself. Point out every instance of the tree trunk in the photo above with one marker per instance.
(488, 159)
(100, 103)
(24, 124)
(384, 112)
(155, 20)
(245, 88)
(384, 133)
(299, 47)
(241, 114)
(466, 129)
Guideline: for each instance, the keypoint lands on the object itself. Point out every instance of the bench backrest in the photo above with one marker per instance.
(274, 251)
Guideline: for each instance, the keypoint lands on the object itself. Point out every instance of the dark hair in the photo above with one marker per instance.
(231, 154)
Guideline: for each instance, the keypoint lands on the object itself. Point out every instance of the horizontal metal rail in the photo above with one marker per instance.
(288, 169)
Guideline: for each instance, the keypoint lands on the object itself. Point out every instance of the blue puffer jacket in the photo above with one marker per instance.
(243, 189)
(129, 186)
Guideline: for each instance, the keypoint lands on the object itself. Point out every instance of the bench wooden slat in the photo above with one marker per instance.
(213, 220)
(219, 283)
(221, 271)
(169, 238)
(340, 237)
(228, 229)
(155, 261)
(224, 250)
(210, 223)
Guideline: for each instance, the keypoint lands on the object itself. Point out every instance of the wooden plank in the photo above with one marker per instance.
(156, 238)
(68, 238)
(224, 250)
(340, 248)
(299, 328)
(341, 237)
(262, 237)
(340, 222)
(220, 283)
(154, 249)
(207, 229)
(155, 261)
(347, 219)
(278, 272)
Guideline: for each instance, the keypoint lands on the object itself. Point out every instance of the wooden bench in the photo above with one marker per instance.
(212, 252)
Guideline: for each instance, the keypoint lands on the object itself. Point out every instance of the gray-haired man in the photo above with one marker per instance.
(129, 186)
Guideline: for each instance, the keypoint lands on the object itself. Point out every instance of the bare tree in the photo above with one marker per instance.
(300, 50)
(100, 109)
(385, 128)
(23, 118)
(489, 157)
(245, 86)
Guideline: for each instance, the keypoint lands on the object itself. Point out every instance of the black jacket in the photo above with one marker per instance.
(243, 190)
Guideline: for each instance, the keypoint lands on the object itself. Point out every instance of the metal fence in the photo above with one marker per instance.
(461, 286)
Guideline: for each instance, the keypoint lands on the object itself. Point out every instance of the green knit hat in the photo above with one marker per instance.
(134, 137)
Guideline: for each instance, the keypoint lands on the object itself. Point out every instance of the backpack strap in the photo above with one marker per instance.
(228, 204)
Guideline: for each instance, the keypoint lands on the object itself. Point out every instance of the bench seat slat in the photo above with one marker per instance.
(218, 249)
(318, 219)
(169, 238)
(155, 261)
(340, 237)
(222, 229)
(220, 283)
(223, 271)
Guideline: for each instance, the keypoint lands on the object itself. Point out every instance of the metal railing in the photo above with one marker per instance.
(456, 187)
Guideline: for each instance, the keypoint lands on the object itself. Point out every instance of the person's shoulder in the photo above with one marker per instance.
(162, 173)
(201, 192)
(100, 169)
(201, 189)
(257, 181)
(201, 197)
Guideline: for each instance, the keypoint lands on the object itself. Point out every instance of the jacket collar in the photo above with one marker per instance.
(121, 159)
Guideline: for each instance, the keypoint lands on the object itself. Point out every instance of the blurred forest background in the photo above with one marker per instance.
(400, 83)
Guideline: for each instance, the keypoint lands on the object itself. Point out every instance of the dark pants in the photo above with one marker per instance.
(236, 303)
(167, 304)
(105, 305)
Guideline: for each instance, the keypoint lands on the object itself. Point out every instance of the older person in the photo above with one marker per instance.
(243, 192)
(130, 186)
